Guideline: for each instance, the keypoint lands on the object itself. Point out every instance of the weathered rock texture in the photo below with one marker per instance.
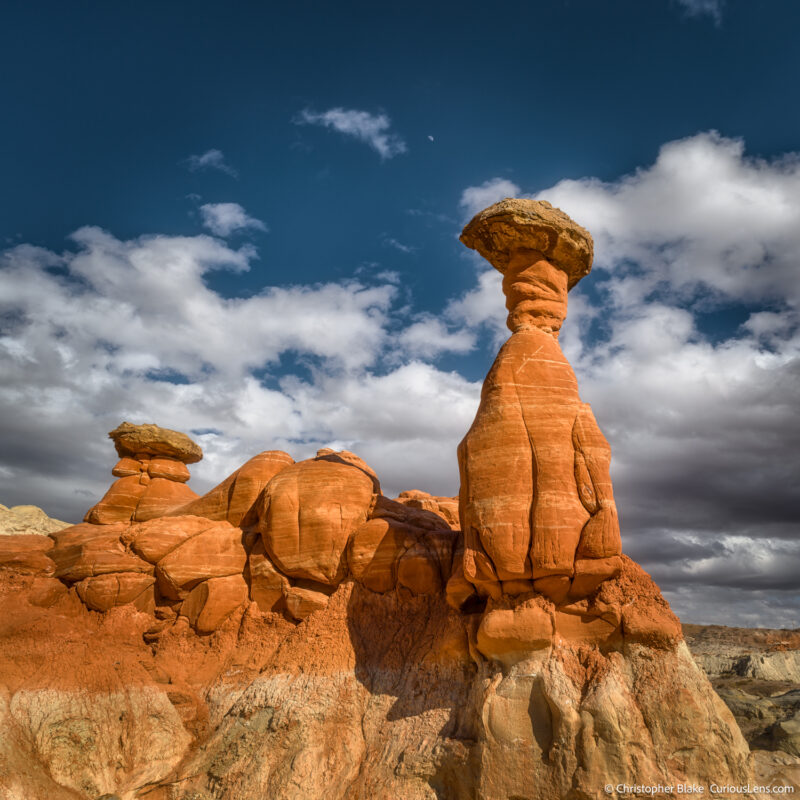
(296, 634)
(536, 502)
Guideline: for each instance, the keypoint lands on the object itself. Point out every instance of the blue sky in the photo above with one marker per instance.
(242, 221)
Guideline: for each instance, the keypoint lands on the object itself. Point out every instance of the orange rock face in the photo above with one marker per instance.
(535, 500)
(212, 601)
(27, 553)
(234, 498)
(216, 552)
(307, 513)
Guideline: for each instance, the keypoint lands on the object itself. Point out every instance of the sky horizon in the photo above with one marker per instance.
(243, 224)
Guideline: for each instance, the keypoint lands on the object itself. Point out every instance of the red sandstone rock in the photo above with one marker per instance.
(535, 492)
(459, 590)
(235, 496)
(211, 602)
(106, 591)
(162, 496)
(346, 457)
(308, 512)
(445, 507)
(27, 553)
(216, 552)
(86, 550)
(267, 586)
(119, 502)
(302, 602)
(509, 633)
(407, 514)
(375, 551)
(591, 572)
(170, 468)
(418, 571)
(155, 539)
(127, 467)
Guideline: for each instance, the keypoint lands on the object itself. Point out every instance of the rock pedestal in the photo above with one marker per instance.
(151, 474)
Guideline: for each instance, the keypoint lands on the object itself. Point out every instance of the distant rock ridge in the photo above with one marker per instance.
(27, 520)
(296, 633)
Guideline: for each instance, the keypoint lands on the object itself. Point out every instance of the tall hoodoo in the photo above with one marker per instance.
(536, 503)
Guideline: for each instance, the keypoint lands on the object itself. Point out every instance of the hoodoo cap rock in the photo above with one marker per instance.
(514, 224)
(131, 439)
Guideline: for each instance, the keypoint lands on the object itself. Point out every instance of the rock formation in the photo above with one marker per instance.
(27, 520)
(294, 633)
(151, 474)
(536, 503)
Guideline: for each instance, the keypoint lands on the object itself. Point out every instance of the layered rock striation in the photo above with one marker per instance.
(294, 633)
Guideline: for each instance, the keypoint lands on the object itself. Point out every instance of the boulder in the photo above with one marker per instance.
(156, 538)
(501, 230)
(509, 634)
(307, 514)
(127, 467)
(232, 499)
(302, 602)
(215, 552)
(27, 553)
(149, 439)
(211, 602)
(444, 507)
(267, 586)
(86, 550)
(106, 591)
(170, 468)
(375, 551)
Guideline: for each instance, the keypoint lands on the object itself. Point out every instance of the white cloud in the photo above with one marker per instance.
(704, 219)
(130, 330)
(476, 198)
(211, 159)
(372, 129)
(390, 241)
(223, 219)
(429, 337)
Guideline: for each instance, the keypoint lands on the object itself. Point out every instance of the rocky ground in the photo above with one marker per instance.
(756, 671)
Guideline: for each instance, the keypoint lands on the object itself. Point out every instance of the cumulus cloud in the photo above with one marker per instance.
(211, 159)
(372, 129)
(476, 198)
(114, 329)
(429, 337)
(700, 412)
(223, 219)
